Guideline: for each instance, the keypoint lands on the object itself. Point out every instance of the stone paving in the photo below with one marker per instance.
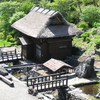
(18, 92)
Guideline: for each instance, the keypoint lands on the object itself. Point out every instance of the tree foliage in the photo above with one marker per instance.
(90, 14)
(26, 6)
(6, 11)
(11, 12)
(84, 13)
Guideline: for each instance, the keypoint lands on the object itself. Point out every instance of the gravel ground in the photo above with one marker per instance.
(18, 92)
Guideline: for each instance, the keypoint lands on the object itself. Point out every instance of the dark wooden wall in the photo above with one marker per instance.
(44, 49)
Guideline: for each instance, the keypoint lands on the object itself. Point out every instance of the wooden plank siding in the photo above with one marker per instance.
(43, 49)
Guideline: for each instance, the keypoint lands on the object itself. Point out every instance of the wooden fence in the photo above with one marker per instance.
(48, 82)
(9, 56)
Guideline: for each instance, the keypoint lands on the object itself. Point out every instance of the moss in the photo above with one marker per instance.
(92, 98)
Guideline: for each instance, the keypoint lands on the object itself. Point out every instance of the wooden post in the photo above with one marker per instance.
(27, 77)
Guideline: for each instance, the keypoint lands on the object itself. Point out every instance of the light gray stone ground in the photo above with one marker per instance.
(18, 92)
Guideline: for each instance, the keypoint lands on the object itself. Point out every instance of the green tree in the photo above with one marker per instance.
(44, 3)
(6, 11)
(90, 14)
(26, 6)
(65, 7)
(16, 16)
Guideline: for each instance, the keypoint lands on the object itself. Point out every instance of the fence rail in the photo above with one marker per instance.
(9, 56)
(48, 82)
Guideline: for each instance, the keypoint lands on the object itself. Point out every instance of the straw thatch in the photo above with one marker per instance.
(38, 24)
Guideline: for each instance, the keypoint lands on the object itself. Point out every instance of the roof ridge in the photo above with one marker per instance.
(44, 11)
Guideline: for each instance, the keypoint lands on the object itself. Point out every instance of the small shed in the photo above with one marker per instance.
(45, 34)
(55, 65)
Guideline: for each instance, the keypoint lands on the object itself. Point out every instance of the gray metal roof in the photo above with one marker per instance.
(37, 24)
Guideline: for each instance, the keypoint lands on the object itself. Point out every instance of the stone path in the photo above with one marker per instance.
(76, 81)
(18, 92)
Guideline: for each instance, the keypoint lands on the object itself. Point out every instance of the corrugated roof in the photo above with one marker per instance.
(37, 24)
(54, 64)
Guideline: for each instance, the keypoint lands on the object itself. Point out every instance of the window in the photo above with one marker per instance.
(63, 47)
(56, 21)
(38, 50)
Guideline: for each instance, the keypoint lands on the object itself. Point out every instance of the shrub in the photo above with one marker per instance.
(17, 35)
(94, 31)
(88, 39)
(97, 41)
(96, 24)
(12, 40)
(97, 36)
(9, 37)
(83, 25)
(85, 35)
(1, 35)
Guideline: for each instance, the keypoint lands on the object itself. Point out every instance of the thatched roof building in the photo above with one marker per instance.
(43, 23)
(43, 27)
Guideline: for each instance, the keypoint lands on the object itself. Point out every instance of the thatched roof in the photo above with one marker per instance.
(24, 41)
(54, 64)
(40, 23)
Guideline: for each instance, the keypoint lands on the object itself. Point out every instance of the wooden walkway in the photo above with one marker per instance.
(9, 56)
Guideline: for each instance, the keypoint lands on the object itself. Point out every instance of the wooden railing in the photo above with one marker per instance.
(49, 82)
(9, 56)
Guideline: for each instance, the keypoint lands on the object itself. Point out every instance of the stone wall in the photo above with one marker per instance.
(74, 97)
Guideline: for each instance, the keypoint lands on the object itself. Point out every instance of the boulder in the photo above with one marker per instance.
(3, 71)
(62, 93)
(98, 30)
(86, 68)
(22, 77)
(98, 95)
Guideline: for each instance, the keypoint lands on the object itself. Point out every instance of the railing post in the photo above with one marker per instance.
(27, 77)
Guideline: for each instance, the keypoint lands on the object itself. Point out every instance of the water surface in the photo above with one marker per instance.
(90, 89)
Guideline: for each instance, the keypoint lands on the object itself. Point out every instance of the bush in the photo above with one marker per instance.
(83, 25)
(96, 24)
(9, 37)
(97, 41)
(1, 35)
(11, 40)
(88, 39)
(97, 36)
(94, 31)
(17, 35)
(85, 35)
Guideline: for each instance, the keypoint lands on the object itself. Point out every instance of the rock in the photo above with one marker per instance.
(62, 93)
(32, 91)
(98, 30)
(3, 71)
(86, 68)
(22, 78)
(49, 96)
(8, 77)
(98, 95)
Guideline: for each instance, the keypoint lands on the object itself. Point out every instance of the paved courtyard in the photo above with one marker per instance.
(18, 92)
